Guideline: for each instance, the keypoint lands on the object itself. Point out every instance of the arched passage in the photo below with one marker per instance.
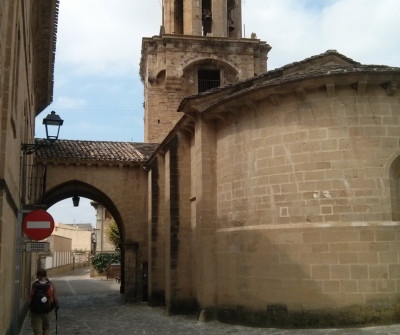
(110, 173)
(81, 189)
(78, 188)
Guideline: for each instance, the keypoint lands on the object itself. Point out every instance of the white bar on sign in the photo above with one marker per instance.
(38, 224)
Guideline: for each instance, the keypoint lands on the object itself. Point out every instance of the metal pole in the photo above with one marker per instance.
(17, 270)
(102, 226)
(56, 321)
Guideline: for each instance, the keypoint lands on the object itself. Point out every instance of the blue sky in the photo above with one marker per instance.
(97, 88)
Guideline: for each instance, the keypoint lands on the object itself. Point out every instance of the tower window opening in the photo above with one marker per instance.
(206, 16)
(208, 79)
(178, 24)
(230, 7)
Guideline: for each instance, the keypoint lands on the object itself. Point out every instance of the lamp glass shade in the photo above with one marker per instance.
(52, 122)
(75, 201)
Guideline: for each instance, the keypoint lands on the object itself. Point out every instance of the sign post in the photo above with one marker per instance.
(37, 246)
(38, 225)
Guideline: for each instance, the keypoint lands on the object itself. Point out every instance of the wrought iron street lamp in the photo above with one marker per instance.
(52, 122)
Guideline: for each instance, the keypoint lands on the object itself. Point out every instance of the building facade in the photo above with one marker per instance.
(199, 47)
(79, 234)
(275, 200)
(271, 198)
(103, 221)
(27, 47)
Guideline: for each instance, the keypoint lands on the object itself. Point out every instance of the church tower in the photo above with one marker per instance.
(200, 47)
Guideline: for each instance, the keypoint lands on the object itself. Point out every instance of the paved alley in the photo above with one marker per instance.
(95, 306)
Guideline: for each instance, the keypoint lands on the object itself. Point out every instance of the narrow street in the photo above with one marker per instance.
(95, 306)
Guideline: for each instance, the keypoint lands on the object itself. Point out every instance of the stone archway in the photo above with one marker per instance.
(113, 174)
(81, 189)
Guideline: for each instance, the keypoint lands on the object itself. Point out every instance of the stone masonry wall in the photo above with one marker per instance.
(313, 275)
(18, 99)
(169, 70)
(324, 160)
(304, 210)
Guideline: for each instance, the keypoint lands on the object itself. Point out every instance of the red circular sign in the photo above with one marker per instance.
(38, 225)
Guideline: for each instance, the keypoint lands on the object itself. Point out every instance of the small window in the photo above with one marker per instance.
(206, 17)
(395, 188)
(231, 23)
(178, 27)
(208, 79)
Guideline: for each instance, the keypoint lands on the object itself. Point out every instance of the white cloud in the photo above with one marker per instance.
(365, 30)
(102, 36)
(369, 30)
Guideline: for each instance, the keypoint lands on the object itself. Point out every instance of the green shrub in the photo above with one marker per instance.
(112, 232)
(102, 259)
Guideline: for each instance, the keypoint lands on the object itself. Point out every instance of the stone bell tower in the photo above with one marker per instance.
(200, 47)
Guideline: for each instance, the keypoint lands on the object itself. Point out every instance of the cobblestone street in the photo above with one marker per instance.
(101, 311)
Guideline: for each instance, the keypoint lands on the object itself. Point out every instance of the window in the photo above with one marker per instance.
(178, 23)
(206, 16)
(395, 188)
(208, 79)
(231, 24)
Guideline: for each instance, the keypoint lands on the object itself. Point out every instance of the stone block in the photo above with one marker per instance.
(368, 258)
(328, 258)
(367, 286)
(386, 285)
(309, 258)
(367, 235)
(311, 237)
(340, 272)
(385, 235)
(394, 271)
(339, 247)
(320, 247)
(348, 257)
(348, 286)
(389, 257)
(378, 271)
(355, 299)
(331, 286)
(320, 272)
(340, 235)
(358, 271)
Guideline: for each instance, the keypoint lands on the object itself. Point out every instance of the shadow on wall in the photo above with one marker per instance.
(307, 277)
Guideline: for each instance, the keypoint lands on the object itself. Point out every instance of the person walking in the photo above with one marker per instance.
(43, 299)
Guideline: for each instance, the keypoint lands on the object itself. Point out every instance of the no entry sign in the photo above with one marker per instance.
(38, 225)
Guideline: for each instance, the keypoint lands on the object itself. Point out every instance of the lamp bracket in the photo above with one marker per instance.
(30, 148)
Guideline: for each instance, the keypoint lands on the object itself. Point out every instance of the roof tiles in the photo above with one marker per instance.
(96, 151)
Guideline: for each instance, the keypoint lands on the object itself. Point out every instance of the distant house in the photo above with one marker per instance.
(80, 234)
(103, 221)
(60, 257)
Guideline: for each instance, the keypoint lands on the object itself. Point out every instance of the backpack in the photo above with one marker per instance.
(41, 297)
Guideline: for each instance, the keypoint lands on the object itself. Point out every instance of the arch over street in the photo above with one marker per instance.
(111, 173)
(73, 188)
